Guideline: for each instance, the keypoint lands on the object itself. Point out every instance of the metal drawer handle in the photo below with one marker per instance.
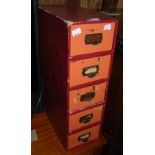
(87, 97)
(90, 71)
(86, 118)
(85, 137)
(93, 39)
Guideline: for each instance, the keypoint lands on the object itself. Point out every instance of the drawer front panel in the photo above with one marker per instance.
(88, 70)
(84, 118)
(81, 98)
(90, 38)
(83, 137)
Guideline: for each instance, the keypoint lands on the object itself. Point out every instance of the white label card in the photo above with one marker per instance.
(107, 27)
(76, 32)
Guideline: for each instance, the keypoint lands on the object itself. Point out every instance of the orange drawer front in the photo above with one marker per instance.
(90, 38)
(81, 98)
(88, 70)
(83, 137)
(84, 118)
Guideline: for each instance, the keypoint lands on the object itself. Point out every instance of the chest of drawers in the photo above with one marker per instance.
(77, 48)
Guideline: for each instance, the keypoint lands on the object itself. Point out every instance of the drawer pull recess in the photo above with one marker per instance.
(85, 137)
(86, 118)
(87, 97)
(90, 71)
(93, 39)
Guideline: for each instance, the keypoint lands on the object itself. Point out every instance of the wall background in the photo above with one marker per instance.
(91, 4)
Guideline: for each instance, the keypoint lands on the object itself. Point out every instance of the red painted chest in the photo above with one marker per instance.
(77, 47)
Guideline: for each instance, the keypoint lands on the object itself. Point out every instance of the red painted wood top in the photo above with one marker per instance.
(74, 14)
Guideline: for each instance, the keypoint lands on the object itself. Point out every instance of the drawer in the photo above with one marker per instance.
(88, 70)
(90, 38)
(84, 118)
(83, 137)
(87, 96)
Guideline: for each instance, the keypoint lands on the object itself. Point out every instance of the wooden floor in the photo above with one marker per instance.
(49, 144)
